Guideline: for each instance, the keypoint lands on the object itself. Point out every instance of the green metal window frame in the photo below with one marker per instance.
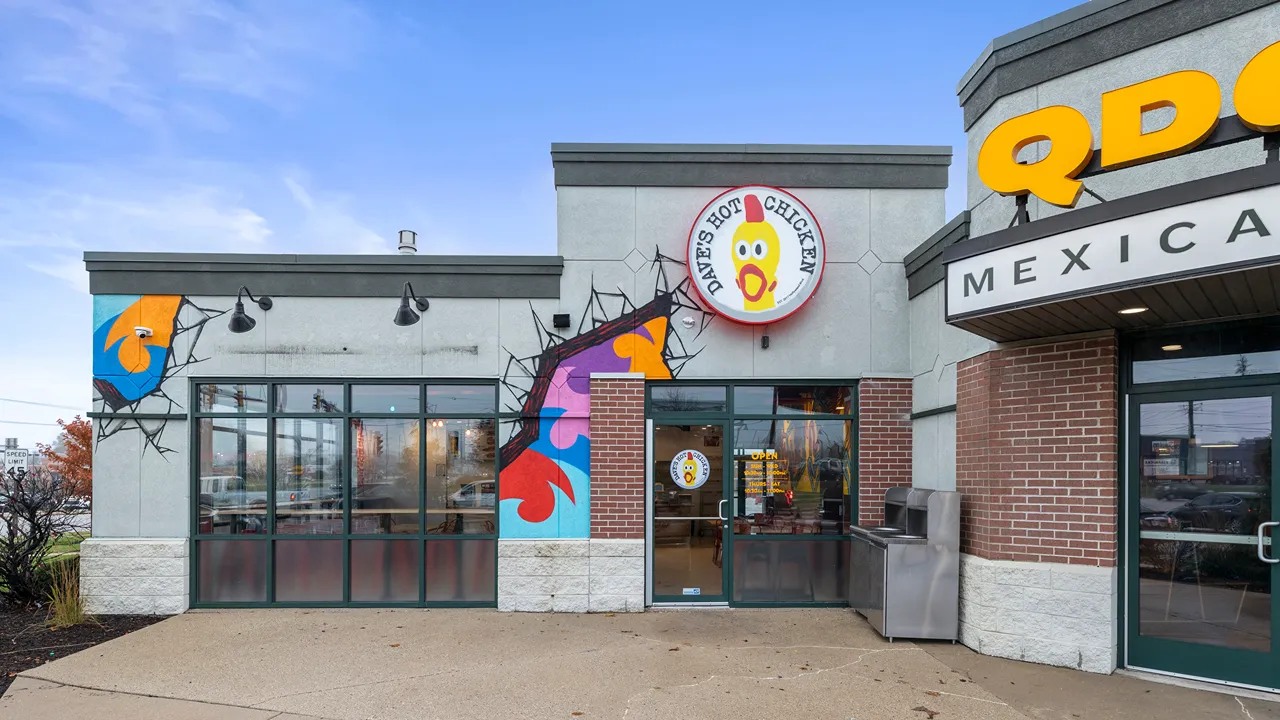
(270, 537)
(727, 418)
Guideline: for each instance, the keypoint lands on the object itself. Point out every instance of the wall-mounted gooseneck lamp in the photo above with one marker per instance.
(405, 315)
(241, 323)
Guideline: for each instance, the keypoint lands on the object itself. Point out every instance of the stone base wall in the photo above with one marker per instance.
(1051, 613)
(596, 575)
(134, 577)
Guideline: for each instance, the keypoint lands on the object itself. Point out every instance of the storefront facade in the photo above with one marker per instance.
(514, 447)
(737, 350)
(1106, 358)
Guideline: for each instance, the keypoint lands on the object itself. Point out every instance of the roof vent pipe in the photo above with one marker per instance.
(408, 242)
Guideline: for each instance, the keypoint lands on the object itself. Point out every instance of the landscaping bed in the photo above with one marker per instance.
(27, 642)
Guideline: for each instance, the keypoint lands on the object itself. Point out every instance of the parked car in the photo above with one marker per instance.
(1237, 513)
(1178, 490)
(76, 503)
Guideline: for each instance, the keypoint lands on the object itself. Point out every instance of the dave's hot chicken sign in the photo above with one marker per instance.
(756, 254)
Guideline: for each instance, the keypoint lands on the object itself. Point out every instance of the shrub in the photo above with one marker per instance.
(31, 517)
(65, 606)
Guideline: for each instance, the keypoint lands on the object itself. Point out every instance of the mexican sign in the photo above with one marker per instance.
(1196, 238)
(1195, 97)
(756, 254)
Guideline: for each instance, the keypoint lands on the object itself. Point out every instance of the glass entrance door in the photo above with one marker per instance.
(690, 503)
(1201, 563)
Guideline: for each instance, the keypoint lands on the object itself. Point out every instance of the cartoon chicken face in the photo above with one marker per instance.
(689, 470)
(755, 257)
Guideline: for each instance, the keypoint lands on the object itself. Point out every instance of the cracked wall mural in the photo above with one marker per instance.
(130, 367)
(544, 489)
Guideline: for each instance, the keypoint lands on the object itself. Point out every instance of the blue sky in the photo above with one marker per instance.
(327, 125)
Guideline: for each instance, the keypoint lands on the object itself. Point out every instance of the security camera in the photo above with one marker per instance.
(143, 332)
(688, 322)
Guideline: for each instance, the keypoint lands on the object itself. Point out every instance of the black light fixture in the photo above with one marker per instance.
(405, 315)
(241, 323)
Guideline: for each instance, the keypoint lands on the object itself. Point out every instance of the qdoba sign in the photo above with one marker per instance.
(756, 254)
(1191, 239)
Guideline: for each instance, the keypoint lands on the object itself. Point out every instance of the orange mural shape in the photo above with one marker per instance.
(645, 353)
(156, 312)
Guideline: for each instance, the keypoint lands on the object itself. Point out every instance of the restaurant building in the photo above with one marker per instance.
(736, 350)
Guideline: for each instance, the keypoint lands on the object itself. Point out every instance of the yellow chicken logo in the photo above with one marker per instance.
(689, 470)
(755, 257)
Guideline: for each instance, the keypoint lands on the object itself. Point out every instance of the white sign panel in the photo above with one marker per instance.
(756, 254)
(1183, 241)
(15, 459)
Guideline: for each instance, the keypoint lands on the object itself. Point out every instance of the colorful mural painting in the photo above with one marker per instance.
(544, 488)
(139, 342)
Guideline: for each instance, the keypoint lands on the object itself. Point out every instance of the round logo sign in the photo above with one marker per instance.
(756, 254)
(690, 469)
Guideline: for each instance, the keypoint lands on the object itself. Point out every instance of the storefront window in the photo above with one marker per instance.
(792, 476)
(442, 399)
(232, 476)
(384, 476)
(1201, 354)
(462, 492)
(792, 400)
(332, 492)
(231, 398)
(385, 399)
(309, 398)
(688, 398)
(308, 476)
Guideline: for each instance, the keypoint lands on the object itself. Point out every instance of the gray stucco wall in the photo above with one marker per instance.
(936, 349)
(1220, 50)
(856, 325)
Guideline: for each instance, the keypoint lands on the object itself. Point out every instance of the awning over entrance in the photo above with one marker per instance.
(1202, 250)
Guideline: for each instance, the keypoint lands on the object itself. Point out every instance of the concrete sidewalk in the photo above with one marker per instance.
(739, 664)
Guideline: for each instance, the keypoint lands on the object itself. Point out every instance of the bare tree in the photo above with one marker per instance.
(31, 513)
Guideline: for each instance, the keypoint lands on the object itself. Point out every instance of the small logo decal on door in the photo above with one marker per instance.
(690, 469)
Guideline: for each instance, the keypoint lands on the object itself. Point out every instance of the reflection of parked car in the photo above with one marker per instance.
(1151, 519)
(475, 494)
(1176, 490)
(1235, 513)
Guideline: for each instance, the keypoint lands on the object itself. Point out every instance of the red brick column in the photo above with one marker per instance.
(1036, 433)
(617, 456)
(884, 443)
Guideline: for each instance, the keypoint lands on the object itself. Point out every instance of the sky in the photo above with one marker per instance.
(325, 126)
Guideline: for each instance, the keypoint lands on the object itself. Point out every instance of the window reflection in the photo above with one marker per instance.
(309, 398)
(232, 475)
(792, 400)
(688, 398)
(460, 399)
(1198, 354)
(308, 477)
(460, 476)
(384, 476)
(792, 477)
(231, 398)
(1204, 486)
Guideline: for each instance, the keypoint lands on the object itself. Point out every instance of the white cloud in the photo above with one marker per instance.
(70, 269)
(328, 224)
(157, 61)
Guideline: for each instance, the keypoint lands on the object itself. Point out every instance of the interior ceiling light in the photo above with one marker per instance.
(1133, 311)
(1220, 445)
(1170, 348)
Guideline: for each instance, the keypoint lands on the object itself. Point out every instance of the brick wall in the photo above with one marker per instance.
(884, 443)
(1036, 433)
(617, 457)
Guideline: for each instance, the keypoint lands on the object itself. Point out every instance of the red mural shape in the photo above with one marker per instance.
(532, 477)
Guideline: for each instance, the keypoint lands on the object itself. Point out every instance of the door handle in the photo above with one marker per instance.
(720, 513)
(1262, 550)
